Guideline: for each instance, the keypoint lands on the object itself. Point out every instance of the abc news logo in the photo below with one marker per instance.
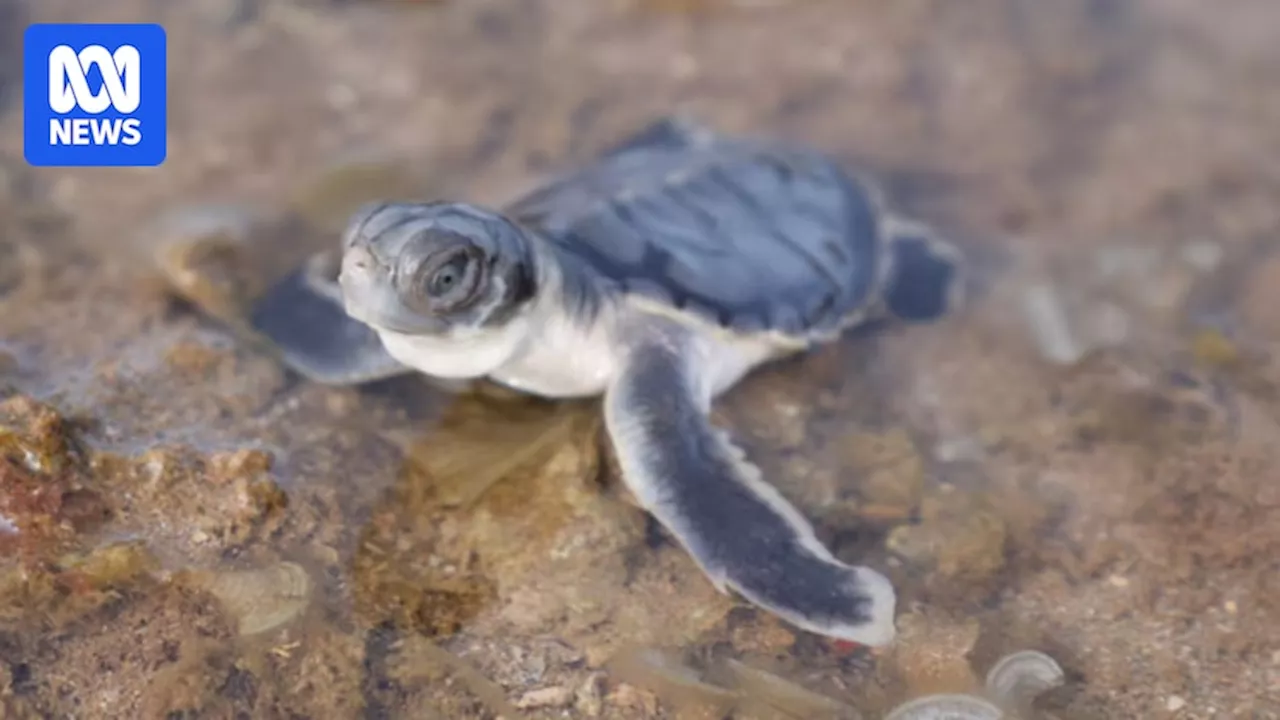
(95, 95)
(69, 90)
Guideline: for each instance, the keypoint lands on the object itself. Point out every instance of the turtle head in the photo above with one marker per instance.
(434, 269)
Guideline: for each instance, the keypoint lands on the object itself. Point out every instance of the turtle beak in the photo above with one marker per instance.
(358, 279)
(368, 295)
(357, 270)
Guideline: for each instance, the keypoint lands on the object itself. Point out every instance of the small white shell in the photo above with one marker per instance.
(947, 707)
(1013, 682)
(1016, 679)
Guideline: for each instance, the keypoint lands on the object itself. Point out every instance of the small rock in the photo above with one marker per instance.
(1202, 255)
(961, 535)
(589, 698)
(202, 252)
(231, 465)
(889, 468)
(629, 697)
(1174, 703)
(556, 696)
(958, 449)
(932, 652)
(1049, 325)
(768, 636)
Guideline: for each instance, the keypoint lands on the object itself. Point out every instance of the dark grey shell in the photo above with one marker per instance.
(750, 234)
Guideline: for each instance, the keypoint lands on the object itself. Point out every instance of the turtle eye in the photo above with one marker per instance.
(449, 279)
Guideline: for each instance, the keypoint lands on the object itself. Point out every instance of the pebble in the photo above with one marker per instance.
(630, 697)
(555, 696)
(959, 534)
(201, 251)
(1049, 325)
(1202, 255)
(1174, 703)
(931, 652)
(958, 449)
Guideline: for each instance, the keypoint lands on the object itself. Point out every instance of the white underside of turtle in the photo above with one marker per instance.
(546, 353)
(658, 278)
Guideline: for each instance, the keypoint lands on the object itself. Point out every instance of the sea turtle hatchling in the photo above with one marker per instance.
(658, 276)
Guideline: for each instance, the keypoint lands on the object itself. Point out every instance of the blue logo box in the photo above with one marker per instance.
(95, 95)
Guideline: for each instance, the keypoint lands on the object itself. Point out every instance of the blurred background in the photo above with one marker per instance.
(1083, 462)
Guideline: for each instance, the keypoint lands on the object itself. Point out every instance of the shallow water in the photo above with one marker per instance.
(1100, 493)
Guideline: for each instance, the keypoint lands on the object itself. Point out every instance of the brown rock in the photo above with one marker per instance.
(555, 696)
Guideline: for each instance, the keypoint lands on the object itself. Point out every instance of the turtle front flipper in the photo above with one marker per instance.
(925, 273)
(740, 530)
(303, 318)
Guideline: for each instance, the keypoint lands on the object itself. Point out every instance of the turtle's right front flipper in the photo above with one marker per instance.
(303, 318)
(739, 529)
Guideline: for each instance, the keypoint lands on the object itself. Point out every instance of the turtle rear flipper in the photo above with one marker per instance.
(303, 317)
(740, 530)
(925, 275)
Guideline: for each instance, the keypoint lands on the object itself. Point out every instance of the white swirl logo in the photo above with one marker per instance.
(121, 79)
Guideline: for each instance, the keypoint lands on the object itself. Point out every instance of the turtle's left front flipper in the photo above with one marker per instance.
(740, 530)
(303, 319)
